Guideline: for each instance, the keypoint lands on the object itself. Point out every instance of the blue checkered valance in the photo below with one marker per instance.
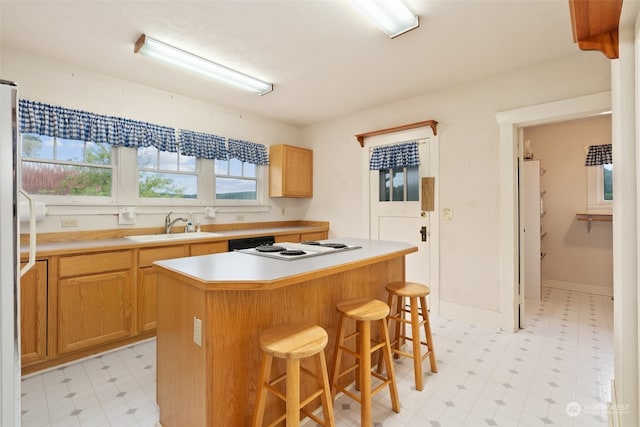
(395, 156)
(203, 145)
(249, 152)
(51, 120)
(599, 155)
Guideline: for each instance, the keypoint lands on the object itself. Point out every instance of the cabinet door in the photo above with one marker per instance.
(317, 235)
(33, 314)
(209, 248)
(291, 238)
(290, 171)
(93, 309)
(147, 299)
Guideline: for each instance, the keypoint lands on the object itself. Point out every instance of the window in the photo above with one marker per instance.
(54, 166)
(607, 183)
(163, 174)
(236, 180)
(399, 184)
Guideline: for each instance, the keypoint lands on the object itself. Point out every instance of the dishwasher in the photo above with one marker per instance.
(250, 242)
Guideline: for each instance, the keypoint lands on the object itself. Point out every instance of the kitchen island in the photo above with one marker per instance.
(231, 297)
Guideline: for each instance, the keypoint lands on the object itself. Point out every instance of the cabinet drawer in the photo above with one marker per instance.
(77, 265)
(292, 238)
(147, 256)
(318, 235)
(209, 248)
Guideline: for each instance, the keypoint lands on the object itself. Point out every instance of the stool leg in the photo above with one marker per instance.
(337, 356)
(400, 325)
(327, 401)
(293, 392)
(427, 331)
(415, 338)
(365, 372)
(393, 389)
(261, 398)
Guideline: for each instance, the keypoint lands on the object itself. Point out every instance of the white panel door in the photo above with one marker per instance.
(403, 220)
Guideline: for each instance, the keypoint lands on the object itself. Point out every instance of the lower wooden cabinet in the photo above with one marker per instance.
(93, 310)
(33, 314)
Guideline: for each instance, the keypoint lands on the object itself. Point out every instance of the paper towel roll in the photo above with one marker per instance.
(23, 211)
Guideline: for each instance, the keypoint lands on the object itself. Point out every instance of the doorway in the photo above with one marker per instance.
(511, 124)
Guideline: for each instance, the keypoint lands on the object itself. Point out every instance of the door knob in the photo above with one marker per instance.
(423, 233)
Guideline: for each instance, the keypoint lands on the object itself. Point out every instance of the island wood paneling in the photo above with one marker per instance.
(215, 385)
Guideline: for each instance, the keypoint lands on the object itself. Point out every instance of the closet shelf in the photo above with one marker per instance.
(590, 217)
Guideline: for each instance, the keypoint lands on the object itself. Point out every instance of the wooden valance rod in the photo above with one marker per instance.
(432, 123)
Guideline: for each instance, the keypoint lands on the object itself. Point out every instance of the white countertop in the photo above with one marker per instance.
(241, 267)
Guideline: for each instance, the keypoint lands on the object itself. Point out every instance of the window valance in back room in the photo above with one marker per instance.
(55, 121)
(599, 155)
(395, 156)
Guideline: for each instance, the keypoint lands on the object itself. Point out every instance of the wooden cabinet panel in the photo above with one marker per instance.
(293, 238)
(33, 314)
(147, 299)
(93, 310)
(209, 248)
(290, 171)
(148, 256)
(78, 265)
(318, 235)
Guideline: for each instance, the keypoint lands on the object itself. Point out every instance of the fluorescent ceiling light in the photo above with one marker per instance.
(391, 16)
(154, 48)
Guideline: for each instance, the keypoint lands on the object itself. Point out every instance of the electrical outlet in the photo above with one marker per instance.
(197, 331)
(69, 222)
(447, 213)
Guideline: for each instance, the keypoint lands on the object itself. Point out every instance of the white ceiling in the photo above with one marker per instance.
(324, 58)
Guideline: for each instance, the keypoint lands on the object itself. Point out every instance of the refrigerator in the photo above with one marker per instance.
(10, 271)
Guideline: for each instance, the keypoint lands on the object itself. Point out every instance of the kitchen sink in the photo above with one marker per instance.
(172, 236)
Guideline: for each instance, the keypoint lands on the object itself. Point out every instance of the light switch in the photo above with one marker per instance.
(197, 331)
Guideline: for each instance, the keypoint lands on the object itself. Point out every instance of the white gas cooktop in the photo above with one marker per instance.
(291, 251)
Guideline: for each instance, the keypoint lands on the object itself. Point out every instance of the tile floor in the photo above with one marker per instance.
(561, 363)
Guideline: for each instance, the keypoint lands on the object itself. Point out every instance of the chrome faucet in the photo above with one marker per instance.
(168, 224)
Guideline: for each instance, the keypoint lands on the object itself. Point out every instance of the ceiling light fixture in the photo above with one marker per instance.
(157, 49)
(391, 16)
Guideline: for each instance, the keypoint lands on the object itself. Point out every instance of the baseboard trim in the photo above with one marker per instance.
(470, 314)
(579, 287)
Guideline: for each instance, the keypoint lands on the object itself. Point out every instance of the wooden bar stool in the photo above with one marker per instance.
(364, 311)
(415, 292)
(294, 342)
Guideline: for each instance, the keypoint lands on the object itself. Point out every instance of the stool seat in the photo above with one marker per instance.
(416, 293)
(408, 289)
(293, 341)
(363, 309)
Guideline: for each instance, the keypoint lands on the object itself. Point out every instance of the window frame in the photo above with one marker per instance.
(262, 175)
(168, 200)
(595, 189)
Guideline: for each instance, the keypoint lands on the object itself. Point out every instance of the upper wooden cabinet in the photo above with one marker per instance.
(595, 25)
(290, 171)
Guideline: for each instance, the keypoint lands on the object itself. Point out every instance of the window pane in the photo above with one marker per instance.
(222, 167)
(168, 185)
(608, 182)
(413, 184)
(65, 180)
(398, 184)
(69, 150)
(187, 163)
(168, 161)
(238, 189)
(37, 146)
(249, 170)
(235, 167)
(148, 157)
(383, 192)
(98, 154)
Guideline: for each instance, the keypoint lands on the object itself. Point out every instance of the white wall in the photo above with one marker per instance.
(573, 254)
(469, 169)
(45, 80)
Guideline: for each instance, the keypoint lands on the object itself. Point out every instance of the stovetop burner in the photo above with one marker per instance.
(292, 252)
(333, 245)
(269, 248)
